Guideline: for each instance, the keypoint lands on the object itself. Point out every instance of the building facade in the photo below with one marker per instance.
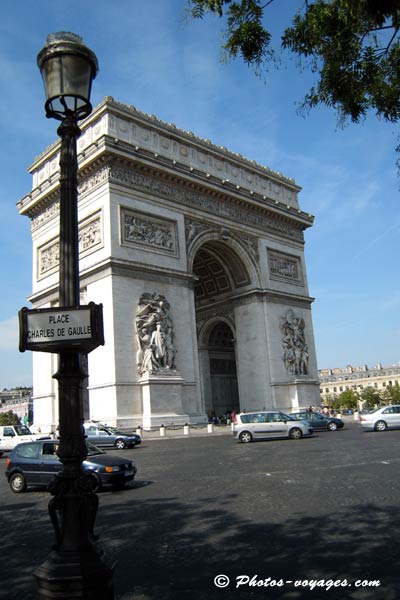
(335, 381)
(20, 402)
(197, 255)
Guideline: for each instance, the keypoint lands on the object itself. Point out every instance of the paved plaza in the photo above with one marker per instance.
(290, 516)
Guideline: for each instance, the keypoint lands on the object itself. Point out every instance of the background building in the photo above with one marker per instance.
(197, 255)
(335, 381)
(19, 401)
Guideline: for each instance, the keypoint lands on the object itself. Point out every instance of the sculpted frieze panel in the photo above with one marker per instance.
(285, 267)
(141, 229)
(48, 258)
(155, 335)
(90, 237)
(295, 350)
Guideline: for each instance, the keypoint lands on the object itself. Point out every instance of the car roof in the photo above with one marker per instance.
(250, 412)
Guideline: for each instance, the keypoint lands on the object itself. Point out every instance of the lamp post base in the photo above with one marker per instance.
(68, 575)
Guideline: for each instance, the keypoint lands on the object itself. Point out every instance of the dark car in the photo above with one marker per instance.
(319, 421)
(36, 464)
(104, 436)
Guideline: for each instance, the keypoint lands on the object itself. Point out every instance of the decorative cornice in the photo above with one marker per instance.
(223, 206)
(154, 121)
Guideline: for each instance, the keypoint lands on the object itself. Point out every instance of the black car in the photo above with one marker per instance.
(36, 464)
(319, 421)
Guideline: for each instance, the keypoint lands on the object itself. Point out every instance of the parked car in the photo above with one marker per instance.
(385, 417)
(36, 464)
(104, 436)
(318, 421)
(268, 424)
(11, 435)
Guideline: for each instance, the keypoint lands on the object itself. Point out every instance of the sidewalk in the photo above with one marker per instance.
(179, 431)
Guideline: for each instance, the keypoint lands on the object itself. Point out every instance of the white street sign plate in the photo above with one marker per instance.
(57, 330)
(59, 326)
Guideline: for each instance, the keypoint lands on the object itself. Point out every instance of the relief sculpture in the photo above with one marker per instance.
(295, 350)
(155, 334)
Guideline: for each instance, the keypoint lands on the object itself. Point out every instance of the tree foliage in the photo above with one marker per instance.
(391, 395)
(353, 46)
(9, 418)
(370, 397)
(347, 399)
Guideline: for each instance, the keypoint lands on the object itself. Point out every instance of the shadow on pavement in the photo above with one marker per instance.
(169, 550)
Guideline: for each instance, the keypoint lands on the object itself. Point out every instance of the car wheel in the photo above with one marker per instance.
(380, 426)
(295, 433)
(96, 482)
(332, 426)
(246, 437)
(18, 483)
(120, 444)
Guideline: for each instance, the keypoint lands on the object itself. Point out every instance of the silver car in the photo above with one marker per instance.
(101, 435)
(268, 424)
(385, 417)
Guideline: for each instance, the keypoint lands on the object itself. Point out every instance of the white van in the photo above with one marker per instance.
(11, 435)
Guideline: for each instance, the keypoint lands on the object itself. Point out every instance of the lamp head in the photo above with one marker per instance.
(68, 68)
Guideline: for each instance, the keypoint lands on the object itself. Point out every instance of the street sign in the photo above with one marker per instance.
(61, 329)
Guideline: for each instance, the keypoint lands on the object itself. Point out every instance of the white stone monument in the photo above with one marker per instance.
(197, 255)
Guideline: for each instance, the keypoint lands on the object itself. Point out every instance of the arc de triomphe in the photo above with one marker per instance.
(197, 255)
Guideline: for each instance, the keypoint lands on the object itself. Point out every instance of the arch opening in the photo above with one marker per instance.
(224, 396)
(221, 275)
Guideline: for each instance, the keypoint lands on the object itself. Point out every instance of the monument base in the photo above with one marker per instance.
(162, 403)
(296, 395)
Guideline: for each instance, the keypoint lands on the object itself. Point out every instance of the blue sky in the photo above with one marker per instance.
(151, 57)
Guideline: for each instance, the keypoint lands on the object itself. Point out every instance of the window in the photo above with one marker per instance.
(49, 449)
(28, 451)
(8, 432)
(275, 417)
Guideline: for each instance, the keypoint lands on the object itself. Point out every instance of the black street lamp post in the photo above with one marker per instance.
(74, 568)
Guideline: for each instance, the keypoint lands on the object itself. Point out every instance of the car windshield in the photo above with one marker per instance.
(93, 450)
(114, 430)
(287, 417)
(22, 430)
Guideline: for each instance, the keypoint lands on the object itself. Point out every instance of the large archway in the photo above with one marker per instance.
(221, 276)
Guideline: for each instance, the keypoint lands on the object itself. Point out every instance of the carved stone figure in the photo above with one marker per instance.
(155, 333)
(295, 349)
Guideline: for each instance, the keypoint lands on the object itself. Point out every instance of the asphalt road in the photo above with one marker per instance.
(318, 516)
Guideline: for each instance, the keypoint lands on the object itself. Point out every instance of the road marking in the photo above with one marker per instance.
(344, 466)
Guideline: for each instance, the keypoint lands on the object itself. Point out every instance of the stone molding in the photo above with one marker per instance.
(50, 211)
(194, 229)
(221, 207)
(137, 128)
(224, 312)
